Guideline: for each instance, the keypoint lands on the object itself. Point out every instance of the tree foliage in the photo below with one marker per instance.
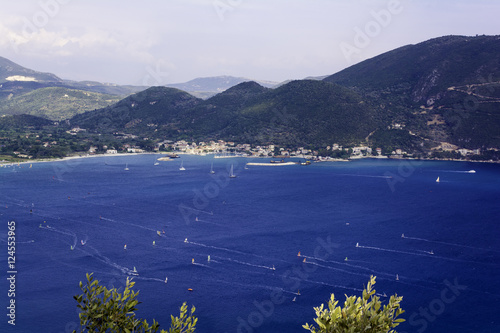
(359, 314)
(108, 310)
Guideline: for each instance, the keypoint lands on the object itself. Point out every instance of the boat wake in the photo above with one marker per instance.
(208, 222)
(245, 263)
(61, 232)
(102, 258)
(428, 255)
(221, 248)
(127, 223)
(450, 244)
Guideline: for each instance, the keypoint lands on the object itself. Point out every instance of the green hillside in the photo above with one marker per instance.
(446, 89)
(56, 103)
(304, 112)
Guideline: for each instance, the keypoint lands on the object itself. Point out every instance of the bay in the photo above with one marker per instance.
(446, 266)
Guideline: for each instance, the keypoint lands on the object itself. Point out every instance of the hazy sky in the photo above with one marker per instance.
(155, 42)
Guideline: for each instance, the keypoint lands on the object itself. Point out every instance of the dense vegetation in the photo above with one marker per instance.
(359, 314)
(109, 310)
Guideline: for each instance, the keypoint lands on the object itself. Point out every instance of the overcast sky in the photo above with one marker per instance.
(155, 42)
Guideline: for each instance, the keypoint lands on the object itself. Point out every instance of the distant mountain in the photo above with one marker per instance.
(446, 89)
(209, 86)
(56, 103)
(16, 80)
(12, 72)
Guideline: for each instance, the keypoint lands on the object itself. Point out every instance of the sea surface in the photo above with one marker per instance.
(435, 244)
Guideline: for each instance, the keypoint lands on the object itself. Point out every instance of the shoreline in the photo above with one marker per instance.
(323, 159)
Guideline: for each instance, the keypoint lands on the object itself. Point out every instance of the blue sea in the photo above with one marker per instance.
(435, 244)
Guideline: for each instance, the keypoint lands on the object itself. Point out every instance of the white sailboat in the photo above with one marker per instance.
(157, 163)
(437, 180)
(212, 169)
(126, 167)
(231, 173)
(470, 171)
(182, 168)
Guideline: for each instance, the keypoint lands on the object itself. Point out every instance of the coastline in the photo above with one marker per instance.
(321, 159)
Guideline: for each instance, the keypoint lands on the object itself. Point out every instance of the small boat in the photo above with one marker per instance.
(402, 235)
(471, 171)
(212, 169)
(208, 259)
(431, 252)
(72, 247)
(345, 259)
(437, 180)
(293, 300)
(189, 289)
(135, 270)
(304, 260)
(298, 254)
(347, 223)
(126, 167)
(159, 233)
(357, 244)
(182, 168)
(298, 292)
(156, 163)
(163, 231)
(274, 268)
(125, 246)
(192, 261)
(154, 243)
(397, 277)
(81, 241)
(231, 173)
(185, 240)
(166, 279)
(196, 219)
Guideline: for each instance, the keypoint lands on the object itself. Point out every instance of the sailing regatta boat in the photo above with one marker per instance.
(212, 168)
(397, 277)
(231, 173)
(182, 168)
(126, 167)
(166, 279)
(437, 180)
(208, 259)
